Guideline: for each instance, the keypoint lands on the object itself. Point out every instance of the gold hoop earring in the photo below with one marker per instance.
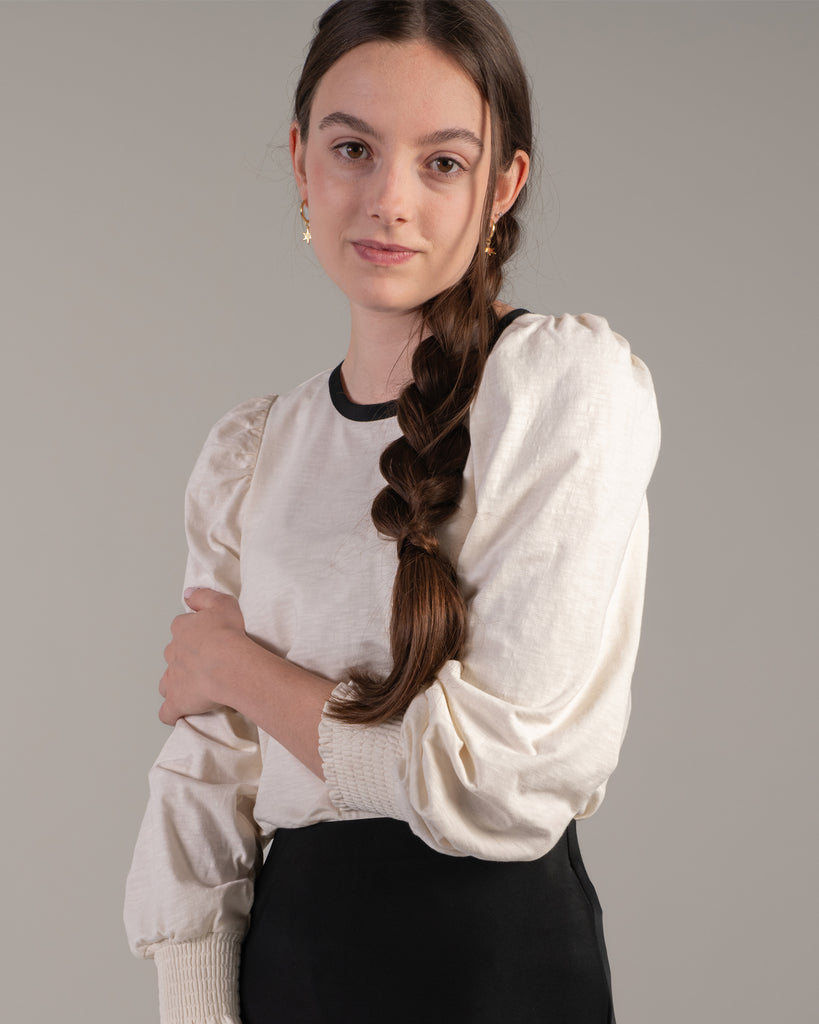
(306, 236)
(489, 250)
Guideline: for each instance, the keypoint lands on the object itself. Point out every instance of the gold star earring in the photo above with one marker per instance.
(306, 236)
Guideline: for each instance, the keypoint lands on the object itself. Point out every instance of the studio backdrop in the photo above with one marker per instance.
(152, 275)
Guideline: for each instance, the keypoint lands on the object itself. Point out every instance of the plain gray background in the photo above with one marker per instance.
(153, 275)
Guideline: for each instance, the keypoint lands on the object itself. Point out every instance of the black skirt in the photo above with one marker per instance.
(360, 922)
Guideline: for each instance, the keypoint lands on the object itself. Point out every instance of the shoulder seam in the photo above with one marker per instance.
(262, 429)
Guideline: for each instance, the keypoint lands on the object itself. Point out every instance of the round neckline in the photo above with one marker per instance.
(354, 410)
(365, 413)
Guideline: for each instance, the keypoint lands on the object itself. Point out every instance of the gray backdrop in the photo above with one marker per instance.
(153, 275)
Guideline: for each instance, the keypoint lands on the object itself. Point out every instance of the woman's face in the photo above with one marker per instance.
(394, 172)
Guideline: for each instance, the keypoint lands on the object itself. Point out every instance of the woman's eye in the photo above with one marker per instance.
(446, 165)
(352, 150)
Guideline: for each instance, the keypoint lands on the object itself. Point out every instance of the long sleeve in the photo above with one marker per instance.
(511, 742)
(190, 886)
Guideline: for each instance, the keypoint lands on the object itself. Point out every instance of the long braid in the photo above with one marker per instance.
(424, 473)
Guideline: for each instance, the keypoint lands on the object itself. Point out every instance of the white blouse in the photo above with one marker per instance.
(507, 744)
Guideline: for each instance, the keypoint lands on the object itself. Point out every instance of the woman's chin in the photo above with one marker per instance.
(388, 302)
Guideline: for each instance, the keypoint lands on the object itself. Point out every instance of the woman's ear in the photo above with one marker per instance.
(297, 157)
(510, 182)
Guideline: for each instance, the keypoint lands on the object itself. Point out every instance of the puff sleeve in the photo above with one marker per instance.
(511, 742)
(190, 886)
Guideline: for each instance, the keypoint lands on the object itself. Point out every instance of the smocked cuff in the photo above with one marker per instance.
(199, 980)
(362, 764)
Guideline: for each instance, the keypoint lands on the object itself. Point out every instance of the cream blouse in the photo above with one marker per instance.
(507, 744)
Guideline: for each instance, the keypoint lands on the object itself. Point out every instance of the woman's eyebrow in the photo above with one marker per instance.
(443, 135)
(349, 121)
(452, 135)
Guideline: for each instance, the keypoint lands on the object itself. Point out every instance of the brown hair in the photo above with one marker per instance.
(424, 467)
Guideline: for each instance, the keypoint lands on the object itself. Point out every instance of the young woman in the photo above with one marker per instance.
(417, 588)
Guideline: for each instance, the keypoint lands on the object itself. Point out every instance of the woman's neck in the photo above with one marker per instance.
(379, 360)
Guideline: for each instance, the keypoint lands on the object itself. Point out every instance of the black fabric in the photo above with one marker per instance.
(383, 410)
(359, 922)
(353, 410)
(504, 322)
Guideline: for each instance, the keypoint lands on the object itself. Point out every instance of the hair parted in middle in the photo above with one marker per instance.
(424, 467)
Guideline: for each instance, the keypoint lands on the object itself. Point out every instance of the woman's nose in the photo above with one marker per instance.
(390, 198)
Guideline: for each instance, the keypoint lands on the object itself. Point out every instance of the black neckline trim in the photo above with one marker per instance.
(384, 410)
(504, 322)
(353, 410)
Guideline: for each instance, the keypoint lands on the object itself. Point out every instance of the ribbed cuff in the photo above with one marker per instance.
(361, 764)
(199, 980)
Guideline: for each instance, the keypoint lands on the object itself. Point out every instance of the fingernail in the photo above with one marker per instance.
(188, 592)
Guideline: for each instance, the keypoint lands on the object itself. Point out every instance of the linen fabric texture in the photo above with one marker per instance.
(509, 743)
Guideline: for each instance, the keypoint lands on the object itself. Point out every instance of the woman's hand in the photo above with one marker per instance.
(203, 655)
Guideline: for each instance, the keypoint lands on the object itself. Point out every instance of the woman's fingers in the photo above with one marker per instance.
(201, 598)
(194, 679)
(166, 714)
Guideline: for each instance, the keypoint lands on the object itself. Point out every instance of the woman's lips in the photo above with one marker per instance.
(382, 254)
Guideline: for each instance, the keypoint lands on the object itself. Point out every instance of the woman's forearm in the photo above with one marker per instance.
(212, 662)
(283, 700)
